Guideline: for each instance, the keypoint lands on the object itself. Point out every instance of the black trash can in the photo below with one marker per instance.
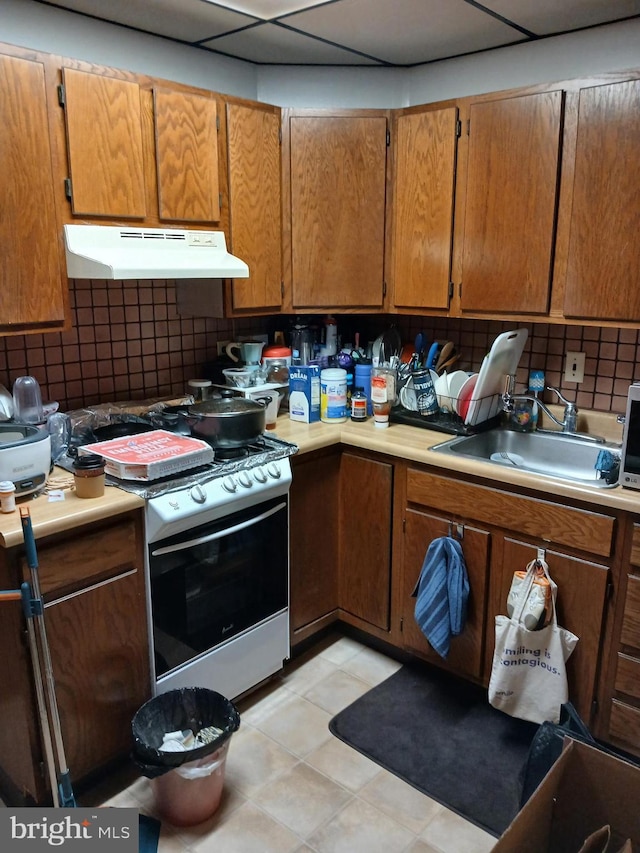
(187, 785)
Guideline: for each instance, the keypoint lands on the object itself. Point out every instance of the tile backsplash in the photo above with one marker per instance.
(128, 342)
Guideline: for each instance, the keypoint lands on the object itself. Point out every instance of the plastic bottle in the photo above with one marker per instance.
(330, 336)
(7, 496)
(333, 395)
(359, 404)
(363, 380)
(380, 400)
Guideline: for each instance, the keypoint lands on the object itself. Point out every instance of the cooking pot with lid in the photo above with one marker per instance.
(230, 421)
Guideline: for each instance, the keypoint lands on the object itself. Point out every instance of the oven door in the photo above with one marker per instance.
(217, 580)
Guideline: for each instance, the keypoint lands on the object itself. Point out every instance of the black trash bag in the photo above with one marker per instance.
(546, 747)
(192, 708)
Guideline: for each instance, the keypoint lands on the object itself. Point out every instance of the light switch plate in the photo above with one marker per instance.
(574, 367)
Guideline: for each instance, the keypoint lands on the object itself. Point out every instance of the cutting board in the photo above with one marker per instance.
(502, 359)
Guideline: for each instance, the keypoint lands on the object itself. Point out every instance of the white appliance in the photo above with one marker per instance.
(217, 568)
(112, 252)
(25, 456)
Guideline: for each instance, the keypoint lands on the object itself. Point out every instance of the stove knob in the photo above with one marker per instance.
(273, 470)
(229, 484)
(244, 479)
(260, 475)
(198, 494)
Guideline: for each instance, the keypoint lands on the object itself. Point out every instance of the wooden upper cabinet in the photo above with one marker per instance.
(253, 151)
(338, 180)
(603, 269)
(105, 145)
(424, 180)
(187, 156)
(510, 207)
(33, 290)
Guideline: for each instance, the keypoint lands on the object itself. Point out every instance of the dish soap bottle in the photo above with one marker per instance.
(536, 385)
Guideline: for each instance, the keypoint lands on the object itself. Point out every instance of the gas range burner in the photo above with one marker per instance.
(267, 448)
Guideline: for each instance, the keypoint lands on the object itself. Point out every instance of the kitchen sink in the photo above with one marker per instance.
(550, 454)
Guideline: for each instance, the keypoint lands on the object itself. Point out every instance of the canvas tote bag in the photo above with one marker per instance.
(528, 674)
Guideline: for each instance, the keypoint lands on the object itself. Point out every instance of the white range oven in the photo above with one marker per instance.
(218, 572)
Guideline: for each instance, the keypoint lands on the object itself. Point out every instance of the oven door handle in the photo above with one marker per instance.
(201, 540)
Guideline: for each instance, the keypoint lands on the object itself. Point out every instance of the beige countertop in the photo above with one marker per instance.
(400, 441)
(413, 443)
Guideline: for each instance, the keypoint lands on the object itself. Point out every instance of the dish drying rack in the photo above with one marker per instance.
(484, 413)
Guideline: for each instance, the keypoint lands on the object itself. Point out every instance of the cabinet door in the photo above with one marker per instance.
(509, 218)
(425, 161)
(105, 147)
(313, 542)
(466, 651)
(255, 201)
(366, 494)
(582, 588)
(99, 648)
(603, 274)
(338, 175)
(186, 156)
(33, 292)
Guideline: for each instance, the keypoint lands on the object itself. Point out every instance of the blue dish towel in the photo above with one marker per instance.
(442, 593)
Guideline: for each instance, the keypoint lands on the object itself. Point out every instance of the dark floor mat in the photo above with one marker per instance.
(439, 734)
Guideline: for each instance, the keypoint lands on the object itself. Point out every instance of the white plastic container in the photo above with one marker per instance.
(7, 496)
(333, 395)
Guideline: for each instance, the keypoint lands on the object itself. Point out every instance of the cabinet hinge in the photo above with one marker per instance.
(67, 188)
(458, 127)
(468, 126)
(388, 137)
(218, 124)
(594, 707)
(460, 291)
(282, 289)
(61, 96)
(404, 525)
(401, 624)
(609, 592)
(451, 286)
(220, 200)
(280, 135)
(384, 289)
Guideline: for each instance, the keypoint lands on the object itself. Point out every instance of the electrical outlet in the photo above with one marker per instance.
(574, 367)
(221, 345)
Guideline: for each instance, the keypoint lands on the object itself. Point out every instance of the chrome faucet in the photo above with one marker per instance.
(569, 423)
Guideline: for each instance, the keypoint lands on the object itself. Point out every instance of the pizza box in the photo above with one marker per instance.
(150, 455)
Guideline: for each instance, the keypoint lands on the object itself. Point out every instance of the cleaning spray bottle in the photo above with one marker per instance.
(536, 385)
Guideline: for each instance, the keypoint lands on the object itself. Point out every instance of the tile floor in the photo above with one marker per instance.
(290, 785)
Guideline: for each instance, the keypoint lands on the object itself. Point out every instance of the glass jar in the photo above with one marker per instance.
(359, 404)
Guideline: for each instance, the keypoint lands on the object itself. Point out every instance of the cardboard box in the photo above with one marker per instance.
(585, 789)
(304, 393)
(150, 455)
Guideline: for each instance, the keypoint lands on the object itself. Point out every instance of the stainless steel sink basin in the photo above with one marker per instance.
(548, 454)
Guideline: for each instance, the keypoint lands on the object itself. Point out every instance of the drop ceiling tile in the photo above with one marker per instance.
(269, 43)
(406, 32)
(267, 9)
(549, 16)
(186, 20)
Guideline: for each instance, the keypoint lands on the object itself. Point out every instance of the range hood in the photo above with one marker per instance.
(103, 251)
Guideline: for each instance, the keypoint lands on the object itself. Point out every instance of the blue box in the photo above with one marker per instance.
(304, 393)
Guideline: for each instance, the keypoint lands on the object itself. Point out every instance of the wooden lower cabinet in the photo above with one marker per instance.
(93, 587)
(624, 712)
(313, 536)
(581, 599)
(466, 651)
(366, 508)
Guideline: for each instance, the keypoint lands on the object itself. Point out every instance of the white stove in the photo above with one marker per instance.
(192, 505)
